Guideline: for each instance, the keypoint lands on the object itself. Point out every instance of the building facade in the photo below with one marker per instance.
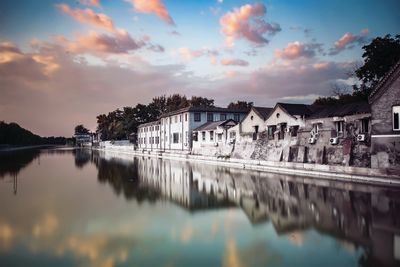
(385, 132)
(176, 128)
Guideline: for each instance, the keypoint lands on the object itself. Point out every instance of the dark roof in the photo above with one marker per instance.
(149, 123)
(203, 109)
(212, 125)
(342, 110)
(297, 109)
(392, 74)
(262, 111)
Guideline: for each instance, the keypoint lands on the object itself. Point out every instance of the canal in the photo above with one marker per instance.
(99, 209)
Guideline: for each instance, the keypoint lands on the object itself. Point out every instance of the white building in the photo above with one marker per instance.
(251, 126)
(212, 138)
(175, 128)
(286, 119)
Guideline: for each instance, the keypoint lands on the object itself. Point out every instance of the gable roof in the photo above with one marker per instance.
(385, 82)
(342, 110)
(203, 109)
(263, 112)
(208, 126)
(296, 109)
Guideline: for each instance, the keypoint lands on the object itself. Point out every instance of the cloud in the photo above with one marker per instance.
(188, 54)
(348, 40)
(234, 62)
(247, 23)
(77, 91)
(95, 3)
(89, 17)
(153, 6)
(297, 50)
(176, 33)
(95, 43)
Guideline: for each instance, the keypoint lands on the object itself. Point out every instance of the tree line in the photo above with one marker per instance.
(14, 135)
(118, 124)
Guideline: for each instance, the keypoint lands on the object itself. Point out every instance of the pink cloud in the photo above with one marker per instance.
(247, 23)
(153, 6)
(95, 3)
(347, 41)
(119, 42)
(297, 50)
(234, 62)
(88, 16)
(188, 54)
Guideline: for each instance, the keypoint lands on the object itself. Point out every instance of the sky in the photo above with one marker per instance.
(64, 62)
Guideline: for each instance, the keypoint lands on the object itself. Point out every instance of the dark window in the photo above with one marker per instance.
(236, 117)
(211, 135)
(176, 138)
(196, 136)
(186, 116)
(396, 118)
(282, 131)
(203, 136)
(157, 140)
(180, 118)
(365, 125)
(339, 128)
(271, 131)
(197, 116)
(294, 130)
(210, 117)
(222, 117)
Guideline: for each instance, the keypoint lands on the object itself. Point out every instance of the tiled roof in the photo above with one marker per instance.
(297, 109)
(342, 110)
(385, 80)
(149, 123)
(203, 109)
(208, 126)
(263, 112)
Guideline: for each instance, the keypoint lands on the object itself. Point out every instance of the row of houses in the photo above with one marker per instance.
(363, 134)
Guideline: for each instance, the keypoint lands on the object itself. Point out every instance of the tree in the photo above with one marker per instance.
(242, 105)
(80, 129)
(198, 101)
(379, 57)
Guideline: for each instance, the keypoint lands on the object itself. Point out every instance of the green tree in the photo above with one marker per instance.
(242, 105)
(80, 129)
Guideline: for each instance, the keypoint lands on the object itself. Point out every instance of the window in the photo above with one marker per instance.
(364, 125)
(271, 131)
(282, 131)
(210, 116)
(220, 137)
(186, 137)
(396, 118)
(236, 117)
(176, 138)
(197, 116)
(294, 130)
(339, 127)
(211, 135)
(252, 117)
(196, 136)
(157, 140)
(203, 136)
(222, 117)
(186, 115)
(180, 118)
(232, 134)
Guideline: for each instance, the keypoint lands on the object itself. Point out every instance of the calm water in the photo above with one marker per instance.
(82, 208)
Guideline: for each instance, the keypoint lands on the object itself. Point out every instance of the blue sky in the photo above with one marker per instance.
(260, 51)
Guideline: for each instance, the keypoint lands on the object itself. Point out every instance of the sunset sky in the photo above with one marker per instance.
(64, 62)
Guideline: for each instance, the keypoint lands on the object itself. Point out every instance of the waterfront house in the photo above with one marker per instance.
(83, 139)
(176, 127)
(212, 138)
(385, 130)
(148, 136)
(250, 127)
(337, 134)
(286, 119)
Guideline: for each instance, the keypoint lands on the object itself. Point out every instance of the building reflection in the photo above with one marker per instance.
(359, 215)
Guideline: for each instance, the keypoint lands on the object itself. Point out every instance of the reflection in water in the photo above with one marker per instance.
(176, 213)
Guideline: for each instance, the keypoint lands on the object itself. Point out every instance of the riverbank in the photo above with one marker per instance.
(328, 172)
(18, 148)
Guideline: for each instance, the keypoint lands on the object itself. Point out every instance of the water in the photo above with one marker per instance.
(82, 208)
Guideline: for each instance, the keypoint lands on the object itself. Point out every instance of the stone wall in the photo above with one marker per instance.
(385, 150)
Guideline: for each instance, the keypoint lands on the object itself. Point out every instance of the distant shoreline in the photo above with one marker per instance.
(19, 148)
